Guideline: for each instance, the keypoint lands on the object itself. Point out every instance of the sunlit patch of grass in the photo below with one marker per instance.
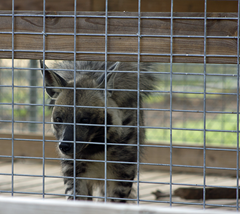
(220, 130)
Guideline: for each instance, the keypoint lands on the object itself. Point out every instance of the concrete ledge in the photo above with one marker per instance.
(39, 206)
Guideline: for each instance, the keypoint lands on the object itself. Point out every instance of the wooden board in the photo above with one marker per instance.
(122, 39)
(191, 160)
(30, 145)
(123, 5)
(183, 159)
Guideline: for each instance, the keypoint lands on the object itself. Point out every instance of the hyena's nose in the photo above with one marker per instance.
(65, 147)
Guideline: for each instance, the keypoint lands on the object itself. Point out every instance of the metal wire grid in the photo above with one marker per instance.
(237, 164)
(138, 109)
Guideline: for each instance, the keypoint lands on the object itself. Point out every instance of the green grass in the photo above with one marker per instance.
(225, 122)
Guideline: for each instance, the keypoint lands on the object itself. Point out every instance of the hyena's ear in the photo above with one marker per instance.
(52, 79)
(110, 78)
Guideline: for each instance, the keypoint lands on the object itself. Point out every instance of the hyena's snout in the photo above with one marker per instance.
(68, 144)
(66, 141)
(66, 148)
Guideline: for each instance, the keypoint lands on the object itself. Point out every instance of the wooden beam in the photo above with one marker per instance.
(31, 145)
(191, 159)
(124, 5)
(52, 5)
(188, 41)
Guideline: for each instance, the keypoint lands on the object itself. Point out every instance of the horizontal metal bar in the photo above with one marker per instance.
(109, 16)
(119, 35)
(126, 126)
(192, 203)
(121, 53)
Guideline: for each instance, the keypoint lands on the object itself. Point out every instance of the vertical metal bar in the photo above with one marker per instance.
(171, 74)
(43, 146)
(166, 84)
(204, 104)
(237, 164)
(12, 187)
(33, 96)
(74, 101)
(105, 102)
(222, 109)
(184, 121)
(138, 97)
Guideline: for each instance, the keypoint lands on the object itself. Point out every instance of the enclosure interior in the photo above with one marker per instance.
(191, 119)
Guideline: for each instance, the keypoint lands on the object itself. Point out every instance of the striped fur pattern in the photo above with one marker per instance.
(89, 134)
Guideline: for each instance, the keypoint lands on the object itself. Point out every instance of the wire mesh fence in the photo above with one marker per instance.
(191, 118)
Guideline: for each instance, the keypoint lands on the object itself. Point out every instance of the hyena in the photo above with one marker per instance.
(81, 130)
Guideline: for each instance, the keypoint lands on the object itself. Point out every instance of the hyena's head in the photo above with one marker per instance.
(83, 107)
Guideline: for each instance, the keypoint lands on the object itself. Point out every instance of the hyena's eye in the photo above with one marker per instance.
(58, 119)
(85, 120)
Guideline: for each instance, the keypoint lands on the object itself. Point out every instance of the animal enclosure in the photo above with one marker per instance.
(191, 118)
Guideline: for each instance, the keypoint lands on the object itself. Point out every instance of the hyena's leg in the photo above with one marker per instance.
(82, 187)
(122, 189)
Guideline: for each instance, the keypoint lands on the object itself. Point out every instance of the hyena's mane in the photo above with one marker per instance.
(126, 79)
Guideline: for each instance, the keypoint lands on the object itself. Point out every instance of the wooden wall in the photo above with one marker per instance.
(157, 49)
(124, 5)
(188, 37)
